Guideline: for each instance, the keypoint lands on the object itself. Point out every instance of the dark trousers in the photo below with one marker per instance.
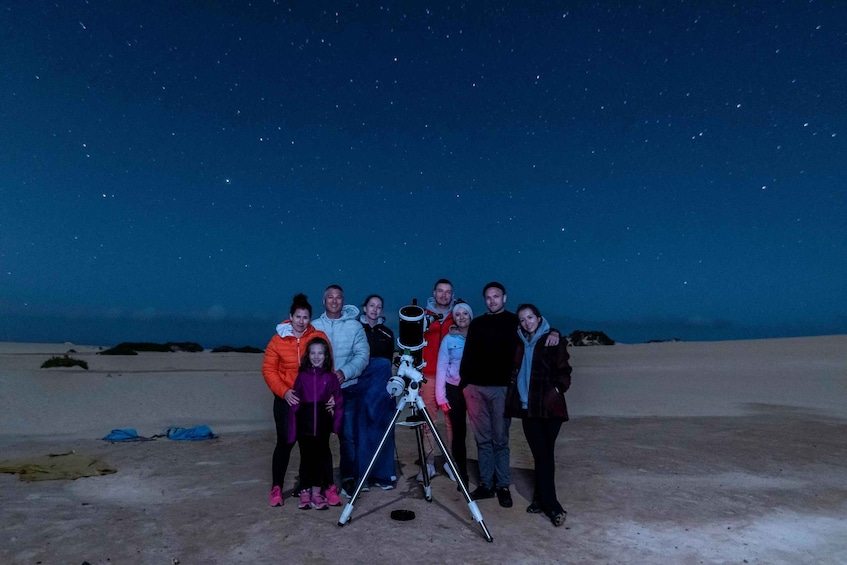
(282, 451)
(541, 434)
(314, 452)
(347, 437)
(458, 415)
(349, 432)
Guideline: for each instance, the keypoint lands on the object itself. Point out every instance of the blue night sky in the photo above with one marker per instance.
(179, 170)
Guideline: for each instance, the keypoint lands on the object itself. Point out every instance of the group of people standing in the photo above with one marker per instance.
(342, 392)
(484, 370)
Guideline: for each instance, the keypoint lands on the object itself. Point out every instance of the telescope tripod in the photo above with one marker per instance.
(412, 398)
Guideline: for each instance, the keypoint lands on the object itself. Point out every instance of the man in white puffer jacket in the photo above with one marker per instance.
(351, 352)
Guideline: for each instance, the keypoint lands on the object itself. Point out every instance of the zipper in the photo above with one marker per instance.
(315, 401)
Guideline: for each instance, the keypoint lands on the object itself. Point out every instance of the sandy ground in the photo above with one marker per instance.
(728, 452)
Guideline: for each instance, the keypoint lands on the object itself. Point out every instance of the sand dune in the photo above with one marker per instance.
(152, 390)
(714, 452)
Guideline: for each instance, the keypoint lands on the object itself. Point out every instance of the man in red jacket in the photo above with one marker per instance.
(439, 315)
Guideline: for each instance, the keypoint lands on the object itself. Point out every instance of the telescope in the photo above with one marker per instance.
(413, 325)
(405, 388)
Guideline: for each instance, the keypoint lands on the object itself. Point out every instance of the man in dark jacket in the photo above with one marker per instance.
(485, 373)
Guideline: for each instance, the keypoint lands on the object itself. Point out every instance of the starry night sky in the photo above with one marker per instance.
(179, 170)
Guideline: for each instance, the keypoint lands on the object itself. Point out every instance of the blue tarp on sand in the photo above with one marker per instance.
(197, 433)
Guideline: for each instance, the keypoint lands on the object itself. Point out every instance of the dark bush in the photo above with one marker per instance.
(188, 346)
(580, 337)
(120, 349)
(64, 362)
(230, 349)
(132, 348)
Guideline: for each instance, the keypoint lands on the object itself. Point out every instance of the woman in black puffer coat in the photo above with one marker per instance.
(536, 394)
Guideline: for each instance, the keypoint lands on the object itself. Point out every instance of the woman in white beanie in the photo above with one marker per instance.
(449, 396)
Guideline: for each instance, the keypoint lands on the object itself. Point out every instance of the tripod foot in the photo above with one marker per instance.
(345, 515)
(488, 537)
(477, 516)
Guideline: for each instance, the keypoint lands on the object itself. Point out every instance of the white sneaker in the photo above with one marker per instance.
(449, 472)
(430, 469)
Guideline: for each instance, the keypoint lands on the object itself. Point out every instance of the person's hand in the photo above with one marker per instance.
(341, 376)
(552, 339)
(445, 407)
(291, 398)
(330, 405)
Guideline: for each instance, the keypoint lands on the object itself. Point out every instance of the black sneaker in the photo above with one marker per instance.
(482, 492)
(534, 507)
(504, 497)
(348, 487)
(558, 518)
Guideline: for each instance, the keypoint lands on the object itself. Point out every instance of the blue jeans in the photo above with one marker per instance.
(349, 432)
(486, 406)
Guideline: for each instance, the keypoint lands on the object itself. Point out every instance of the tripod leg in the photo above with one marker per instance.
(422, 457)
(477, 515)
(348, 510)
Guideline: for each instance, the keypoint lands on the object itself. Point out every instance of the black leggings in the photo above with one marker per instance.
(458, 415)
(282, 451)
(314, 452)
(541, 434)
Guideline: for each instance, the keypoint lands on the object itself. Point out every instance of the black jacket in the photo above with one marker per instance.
(549, 378)
(490, 350)
(380, 340)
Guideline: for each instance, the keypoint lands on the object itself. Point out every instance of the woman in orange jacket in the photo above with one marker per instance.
(280, 367)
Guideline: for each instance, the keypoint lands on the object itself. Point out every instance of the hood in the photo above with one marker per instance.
(454, 330)
(543, 328)
(430, 305)
(348, 312)
(364, 320)
(284, 329)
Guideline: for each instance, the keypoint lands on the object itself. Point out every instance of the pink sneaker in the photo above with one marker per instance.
(305, 500)
(276, 497)
(318, 500)
(332, 497)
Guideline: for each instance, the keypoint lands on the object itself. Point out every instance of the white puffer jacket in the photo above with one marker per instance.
(350, 348)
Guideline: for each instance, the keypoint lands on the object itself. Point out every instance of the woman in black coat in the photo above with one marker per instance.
(536, 394)
(377, 405)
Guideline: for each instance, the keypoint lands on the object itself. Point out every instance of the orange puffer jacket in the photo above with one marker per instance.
(282, 357)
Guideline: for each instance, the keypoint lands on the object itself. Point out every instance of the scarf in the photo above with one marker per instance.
(526, 362)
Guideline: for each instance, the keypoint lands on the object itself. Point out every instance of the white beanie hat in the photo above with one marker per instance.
(464, 306)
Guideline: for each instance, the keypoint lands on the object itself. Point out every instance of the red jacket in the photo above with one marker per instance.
(438, 328)
(282, 357)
